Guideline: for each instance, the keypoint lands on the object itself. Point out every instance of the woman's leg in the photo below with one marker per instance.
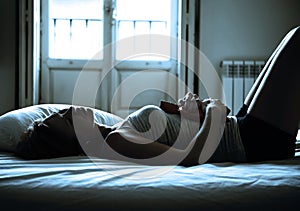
(269, 120)
(243, 110)
(262, 74)
(277, 98)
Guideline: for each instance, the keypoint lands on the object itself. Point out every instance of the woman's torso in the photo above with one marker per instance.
(171, 129)
(153, 123)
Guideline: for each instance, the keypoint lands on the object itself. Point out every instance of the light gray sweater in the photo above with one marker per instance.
(153, 123)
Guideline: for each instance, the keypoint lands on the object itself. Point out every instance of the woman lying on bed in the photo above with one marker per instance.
(193, 132)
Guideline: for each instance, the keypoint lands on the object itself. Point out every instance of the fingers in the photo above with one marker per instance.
(189, 103)
(217, 103)
(188, 97)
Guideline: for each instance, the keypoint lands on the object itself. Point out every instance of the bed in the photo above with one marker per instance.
(81, 183)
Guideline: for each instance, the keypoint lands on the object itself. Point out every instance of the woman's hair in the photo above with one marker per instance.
(26, 134)
(40, 141)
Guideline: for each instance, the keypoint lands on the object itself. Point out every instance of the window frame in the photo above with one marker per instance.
(109, 54)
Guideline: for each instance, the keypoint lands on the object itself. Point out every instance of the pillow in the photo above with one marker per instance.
(14, 123)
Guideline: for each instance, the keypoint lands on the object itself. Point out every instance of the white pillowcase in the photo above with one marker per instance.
(14, 123)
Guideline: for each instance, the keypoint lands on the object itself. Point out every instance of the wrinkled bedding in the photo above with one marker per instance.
(83, 183)
(80, 183)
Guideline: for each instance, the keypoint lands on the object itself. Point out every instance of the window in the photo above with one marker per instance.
(137, 17)
(75, 28)
(77, 31)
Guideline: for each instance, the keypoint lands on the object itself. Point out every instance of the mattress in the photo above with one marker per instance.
(83, 183)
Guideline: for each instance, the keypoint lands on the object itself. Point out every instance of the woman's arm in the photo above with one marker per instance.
(124, 144)
(208, 137)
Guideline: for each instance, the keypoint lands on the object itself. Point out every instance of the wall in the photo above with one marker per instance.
(8, 54)
(245, 28)
(229, 29)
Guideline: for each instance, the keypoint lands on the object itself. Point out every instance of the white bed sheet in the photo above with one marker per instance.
(76, 183)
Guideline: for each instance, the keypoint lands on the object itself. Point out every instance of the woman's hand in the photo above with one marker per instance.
(189, 103)
(208, 137)
(191, 107)
(217, 108)
(216, 104)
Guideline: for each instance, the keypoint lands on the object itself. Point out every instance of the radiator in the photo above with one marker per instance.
(238, 77)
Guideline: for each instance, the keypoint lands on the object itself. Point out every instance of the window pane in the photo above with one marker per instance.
(75, 28)
(142, 17)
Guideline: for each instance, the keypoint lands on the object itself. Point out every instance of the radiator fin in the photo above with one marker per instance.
(238, 77)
